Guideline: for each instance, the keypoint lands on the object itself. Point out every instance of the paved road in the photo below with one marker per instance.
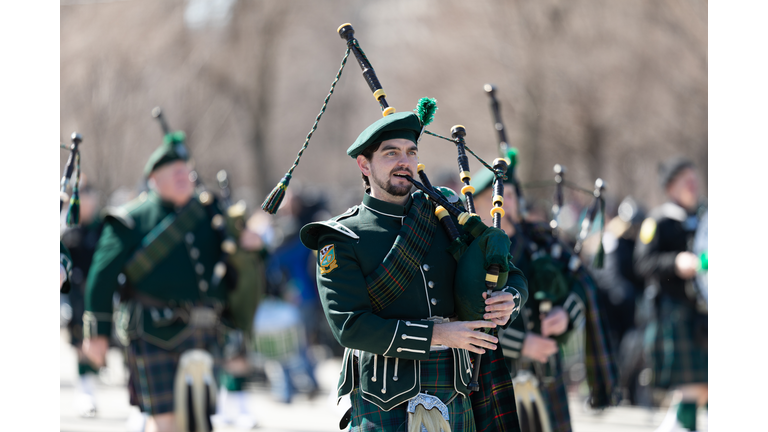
(304, 415)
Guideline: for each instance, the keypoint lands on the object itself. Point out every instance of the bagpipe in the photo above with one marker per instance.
(72, 168)
(482, 252)
(557, 267)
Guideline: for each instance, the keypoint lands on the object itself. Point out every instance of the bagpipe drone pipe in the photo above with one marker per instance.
(71, 169)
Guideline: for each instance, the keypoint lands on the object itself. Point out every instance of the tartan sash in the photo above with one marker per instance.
(602, 374)
(393, 275)
(161, 240)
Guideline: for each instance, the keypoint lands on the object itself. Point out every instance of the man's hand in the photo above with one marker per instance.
(538, 348)
(462, 334)
(96, 349)
(499, 307)
(555, 323)
(686, 265)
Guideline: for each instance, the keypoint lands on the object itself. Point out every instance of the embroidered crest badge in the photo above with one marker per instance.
(327, 259)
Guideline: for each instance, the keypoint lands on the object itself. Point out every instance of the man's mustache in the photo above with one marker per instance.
(408, 170)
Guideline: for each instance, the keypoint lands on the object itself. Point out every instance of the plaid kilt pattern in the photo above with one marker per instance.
(437, 380)
(671, 346)
(494, 404)
(402, 262)
(602, 372)
(556, 397)
(153, 369)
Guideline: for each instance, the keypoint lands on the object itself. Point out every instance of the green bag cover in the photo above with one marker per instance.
(491, 247)
(547, 280)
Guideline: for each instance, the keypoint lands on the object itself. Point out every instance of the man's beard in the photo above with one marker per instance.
(391, 189)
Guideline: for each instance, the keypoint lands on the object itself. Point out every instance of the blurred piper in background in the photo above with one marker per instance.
(81, 241)
(621, 288)
(676, 338)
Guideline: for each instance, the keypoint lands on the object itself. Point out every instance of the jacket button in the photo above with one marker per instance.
(431, 284)
(399, 350)
(404, 337)
(425, 267)
(199, 268)
(203, 286)
(194, 253)
(189, 237)
(434, 302)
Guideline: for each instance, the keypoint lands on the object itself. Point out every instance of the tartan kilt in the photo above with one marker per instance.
(676, 345)
(494, 404)
(554, 394)
(556, 397)
(153, 369)
(436, 379)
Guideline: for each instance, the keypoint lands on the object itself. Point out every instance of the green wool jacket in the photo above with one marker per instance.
(390, 343)
(180, 279)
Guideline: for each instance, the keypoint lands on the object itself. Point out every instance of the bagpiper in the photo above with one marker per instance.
(676, 337)
(386, 281)
(163, 253)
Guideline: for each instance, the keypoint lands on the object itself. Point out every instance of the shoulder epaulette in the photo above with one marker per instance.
(310, 233)
(121, 214)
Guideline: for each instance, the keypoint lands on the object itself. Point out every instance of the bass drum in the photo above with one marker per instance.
(278, 330)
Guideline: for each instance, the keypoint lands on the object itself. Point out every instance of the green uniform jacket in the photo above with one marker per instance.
(392, 341)
(181, 278)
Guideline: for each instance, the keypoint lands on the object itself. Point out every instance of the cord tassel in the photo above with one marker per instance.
(275, 198)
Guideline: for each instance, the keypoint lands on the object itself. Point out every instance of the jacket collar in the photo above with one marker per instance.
(385, 208)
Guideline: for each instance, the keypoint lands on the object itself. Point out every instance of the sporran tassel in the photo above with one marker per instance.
(431, 420)
(275, 198)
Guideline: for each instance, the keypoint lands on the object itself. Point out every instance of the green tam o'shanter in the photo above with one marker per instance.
(404, 125)
(171, 150)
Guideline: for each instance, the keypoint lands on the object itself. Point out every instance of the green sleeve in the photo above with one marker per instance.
(512, 339)
(575, 305)
(348, 309)
(516, 281)
(112, 252)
